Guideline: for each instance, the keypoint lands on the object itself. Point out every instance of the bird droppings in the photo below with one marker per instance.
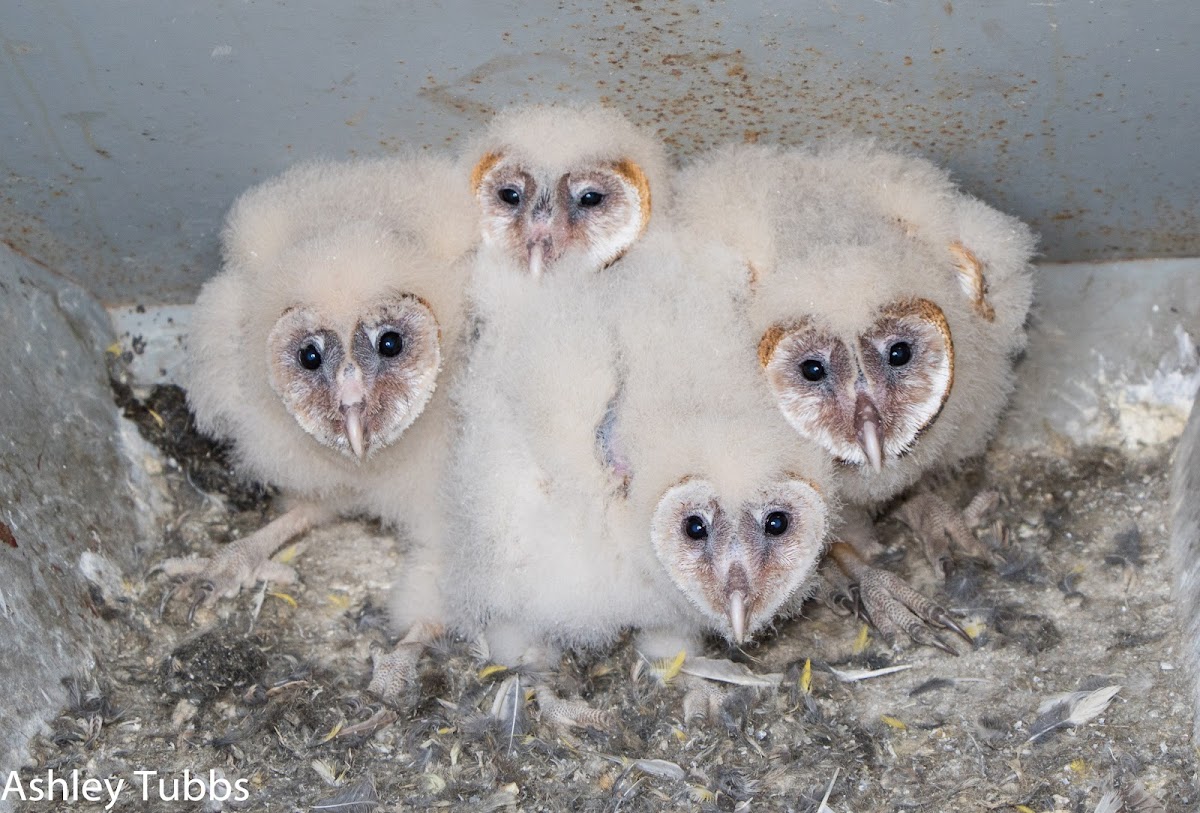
(272, 691)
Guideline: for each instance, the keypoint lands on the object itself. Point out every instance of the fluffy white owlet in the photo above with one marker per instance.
(317, 349)
(565, 193)
(736, 504)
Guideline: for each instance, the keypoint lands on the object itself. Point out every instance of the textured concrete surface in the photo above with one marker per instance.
(1112, 358)
(66, 507)
(132, 124)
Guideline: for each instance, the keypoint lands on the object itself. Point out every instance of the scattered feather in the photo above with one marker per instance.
(480, 650)
(327, 771)
(1071, 710)
(333, 733)
(491, 669)
(852, 675)
(864, 638)
(931, 685)
(509, 709)
(433, 783)
(380, 719)
(1129, 799)
(659, 768)
(360, 797)
(724, 671)
(1139, 800)
(667, 670)
(806, 677)
(893, 722)
(284, 597)
(504, 797)
(824, 806)
(601, 670)
(338, 600)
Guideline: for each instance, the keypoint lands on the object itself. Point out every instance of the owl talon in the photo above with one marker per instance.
(244, 563)
(396, 671)
(923, 636)
(562, 713)
(240, 565)
(939, 616)
(941, 529)
(892, 606)
(835, 590)
(702, 699)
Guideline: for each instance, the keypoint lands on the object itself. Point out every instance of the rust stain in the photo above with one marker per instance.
(16, 249)
(6, 536)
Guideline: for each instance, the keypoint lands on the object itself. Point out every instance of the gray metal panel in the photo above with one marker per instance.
(130, 125)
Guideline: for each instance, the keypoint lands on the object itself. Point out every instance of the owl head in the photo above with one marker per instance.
(352, 356)
(738, 558)
(557, 181)
(866, 394)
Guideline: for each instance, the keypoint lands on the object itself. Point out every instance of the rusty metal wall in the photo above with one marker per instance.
(129, 125)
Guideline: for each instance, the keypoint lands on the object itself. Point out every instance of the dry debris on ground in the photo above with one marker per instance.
(1069, 700)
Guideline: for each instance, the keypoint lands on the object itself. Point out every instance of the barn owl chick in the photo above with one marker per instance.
(889, 307)
(319, 345)
(737, 504)
(564, 195)
(556, 182)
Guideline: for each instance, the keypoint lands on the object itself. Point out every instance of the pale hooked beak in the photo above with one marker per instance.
(544, 230)
(537, 255)
(353, 408)
(354, 429)
(870, 434)
(737, 615)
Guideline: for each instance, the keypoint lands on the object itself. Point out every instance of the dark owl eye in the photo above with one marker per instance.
(310, 356)
(899, 354)
(510, 196)
(812, 370)
(390, 344)
(695, 528)
(590, 198)
(776, 523)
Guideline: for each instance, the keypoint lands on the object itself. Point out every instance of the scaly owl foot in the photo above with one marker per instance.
(892, 606)
(942, 529)
(243, 563)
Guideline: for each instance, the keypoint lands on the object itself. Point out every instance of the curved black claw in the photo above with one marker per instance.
(891, 606)
(923, 636)
(939, 616)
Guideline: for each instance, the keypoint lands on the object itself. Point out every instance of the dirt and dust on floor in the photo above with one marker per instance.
(1072, 697)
